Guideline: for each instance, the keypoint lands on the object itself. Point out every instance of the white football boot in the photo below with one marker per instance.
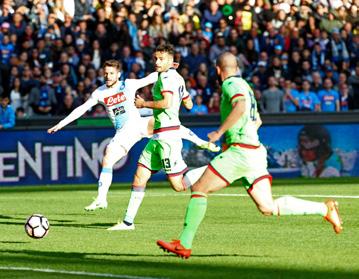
(122, 227)
(96, 204)
(210, 146)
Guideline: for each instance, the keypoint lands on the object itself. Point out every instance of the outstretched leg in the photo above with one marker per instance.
(187, 134)
(261, 193)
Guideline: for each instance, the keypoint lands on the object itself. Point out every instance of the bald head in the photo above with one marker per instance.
(226, 65)
(227, 60)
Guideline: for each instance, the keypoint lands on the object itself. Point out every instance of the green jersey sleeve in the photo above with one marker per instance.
(233, 91)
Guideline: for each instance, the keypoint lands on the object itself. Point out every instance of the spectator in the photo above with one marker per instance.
(208, 32)
(6, 49)
(203, 88)
(291, 97)
(99, 111)
(15, 94)
(317, 57)
(344, 97)
(268, 38)
(218, 47)
(194, 59)
(329, 98)
(272, 97)
(20, 113)
(338, 48)
(316, 85)
(7, 114)
(308, 100)
(262, 74)
(67, 106)
(198, 107)
(212, 14)
(42, 99)
(214, 103)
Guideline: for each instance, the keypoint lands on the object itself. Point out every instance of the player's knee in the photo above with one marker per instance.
(138, 180)
(107, 161)
(178, 186)
(111, 156)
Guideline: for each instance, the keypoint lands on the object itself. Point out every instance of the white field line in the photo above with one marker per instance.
(83, 273)
(246, 195)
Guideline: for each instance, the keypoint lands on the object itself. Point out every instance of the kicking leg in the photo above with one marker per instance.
(261, 194)
(187, 134)
(137, 194)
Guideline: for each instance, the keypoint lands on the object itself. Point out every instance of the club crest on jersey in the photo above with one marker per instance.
(115, 99)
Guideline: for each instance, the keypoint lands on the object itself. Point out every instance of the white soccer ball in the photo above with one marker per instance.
(37, 226)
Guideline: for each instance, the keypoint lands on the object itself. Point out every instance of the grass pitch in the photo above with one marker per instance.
(234, 240)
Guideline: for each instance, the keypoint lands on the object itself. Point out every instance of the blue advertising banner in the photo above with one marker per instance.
(299, 150)
(32, 157)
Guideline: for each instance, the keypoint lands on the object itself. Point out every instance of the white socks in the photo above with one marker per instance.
(192, 176)
(137, 195)
(187, 134)
(104, 184)
(292, 206)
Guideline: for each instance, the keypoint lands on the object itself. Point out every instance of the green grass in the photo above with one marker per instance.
(234, 240)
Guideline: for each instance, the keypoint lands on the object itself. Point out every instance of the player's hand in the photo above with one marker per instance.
(214, 136)
(54, 129)
(139, 102)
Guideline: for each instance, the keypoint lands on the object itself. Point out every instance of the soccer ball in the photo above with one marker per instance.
(37, 226)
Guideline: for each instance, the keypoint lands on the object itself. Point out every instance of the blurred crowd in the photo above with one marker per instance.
(299, 55)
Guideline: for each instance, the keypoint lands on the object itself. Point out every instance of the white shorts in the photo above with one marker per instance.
(129, 134)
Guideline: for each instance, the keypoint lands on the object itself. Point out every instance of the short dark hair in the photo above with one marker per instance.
(168, 48)
(112, 63)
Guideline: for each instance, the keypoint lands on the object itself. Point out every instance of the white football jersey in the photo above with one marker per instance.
(118, 101)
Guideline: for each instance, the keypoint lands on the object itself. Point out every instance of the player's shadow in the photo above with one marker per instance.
(88, 226)
(138, 265)
(14, 242)
(11, 220)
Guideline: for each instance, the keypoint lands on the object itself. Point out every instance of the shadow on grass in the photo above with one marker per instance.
(157, 265)
(54, 223)
(14, 242)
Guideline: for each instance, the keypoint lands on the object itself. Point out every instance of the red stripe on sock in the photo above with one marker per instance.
(197, 196)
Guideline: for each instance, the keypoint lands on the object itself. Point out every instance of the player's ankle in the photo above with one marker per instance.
(127, 223)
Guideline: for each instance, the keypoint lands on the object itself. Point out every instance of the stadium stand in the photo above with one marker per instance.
(52, 51)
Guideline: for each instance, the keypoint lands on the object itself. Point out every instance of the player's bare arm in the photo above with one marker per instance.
(160, 104)
(75, 114)
(236, 113)
(142, 82)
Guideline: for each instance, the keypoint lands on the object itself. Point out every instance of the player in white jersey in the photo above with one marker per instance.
(163, 151)
(118, 98)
